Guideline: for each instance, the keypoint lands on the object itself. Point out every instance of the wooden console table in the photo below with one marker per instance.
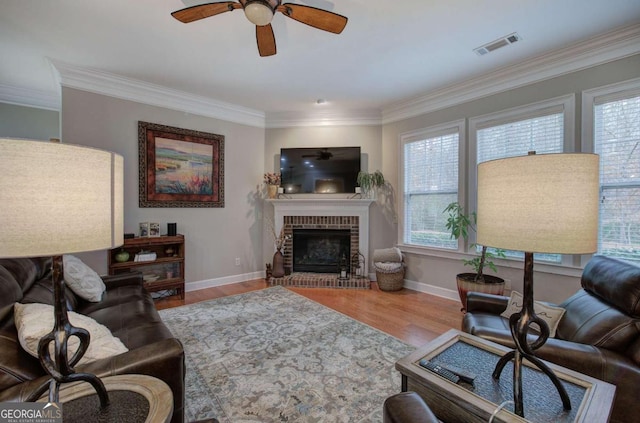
(133, 398)
(591, 399)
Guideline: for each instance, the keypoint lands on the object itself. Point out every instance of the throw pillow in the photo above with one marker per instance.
(34, 321)
(548, 313)
(82, 279)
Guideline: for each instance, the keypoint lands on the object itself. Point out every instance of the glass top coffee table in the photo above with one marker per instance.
(591, 399)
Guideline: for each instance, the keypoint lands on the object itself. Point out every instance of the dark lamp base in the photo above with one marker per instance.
(519, 324)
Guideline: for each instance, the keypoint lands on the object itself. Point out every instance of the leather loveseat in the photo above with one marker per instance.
(599, 334)
(126, 309)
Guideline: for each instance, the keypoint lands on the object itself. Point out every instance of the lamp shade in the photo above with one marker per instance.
(544, 203)
(58, 198)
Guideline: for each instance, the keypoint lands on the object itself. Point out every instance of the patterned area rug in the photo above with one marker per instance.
(274, 356)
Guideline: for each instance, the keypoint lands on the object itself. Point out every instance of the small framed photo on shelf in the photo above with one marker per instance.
(154, 229)
(144, 229)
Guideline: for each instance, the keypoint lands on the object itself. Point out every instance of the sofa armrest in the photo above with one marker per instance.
(163, 360)
(487, 303)
(407, 407)
(122, 279)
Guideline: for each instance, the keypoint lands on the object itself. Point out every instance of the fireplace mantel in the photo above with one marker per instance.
(327, 207)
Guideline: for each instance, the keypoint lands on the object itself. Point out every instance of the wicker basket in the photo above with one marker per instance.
(390, 281)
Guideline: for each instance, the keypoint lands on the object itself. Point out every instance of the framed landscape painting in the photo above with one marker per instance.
(179, 167)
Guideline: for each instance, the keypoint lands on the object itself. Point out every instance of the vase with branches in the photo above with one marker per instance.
(279, 242)
(272, 181)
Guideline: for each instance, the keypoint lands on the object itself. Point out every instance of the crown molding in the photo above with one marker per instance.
(605, 48)
(27, 97)
(610, 46)
(324, 118)
(99, 82)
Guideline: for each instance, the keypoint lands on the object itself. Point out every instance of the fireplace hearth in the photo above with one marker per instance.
(320, 250)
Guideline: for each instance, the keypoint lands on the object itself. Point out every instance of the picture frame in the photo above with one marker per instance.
(154, 229)
(144, 229)
(179, 167)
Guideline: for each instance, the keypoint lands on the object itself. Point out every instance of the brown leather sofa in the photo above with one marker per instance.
(126, 309)
(599, 334)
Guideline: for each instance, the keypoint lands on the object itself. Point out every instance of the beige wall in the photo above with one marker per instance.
(28, 122)
(438, 272)
(214, 236)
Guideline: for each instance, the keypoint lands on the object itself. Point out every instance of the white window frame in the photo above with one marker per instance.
(564, 104)
(590, 98)
(421, 134)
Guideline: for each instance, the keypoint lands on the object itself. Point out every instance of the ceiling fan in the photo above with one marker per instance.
(260, 13)
(323, 154)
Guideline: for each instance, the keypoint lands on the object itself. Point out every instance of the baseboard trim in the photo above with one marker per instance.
(432, 290)
(227, 280)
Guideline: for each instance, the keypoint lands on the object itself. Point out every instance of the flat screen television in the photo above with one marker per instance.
(329, 170)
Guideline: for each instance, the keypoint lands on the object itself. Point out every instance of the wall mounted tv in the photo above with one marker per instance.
(327, 170)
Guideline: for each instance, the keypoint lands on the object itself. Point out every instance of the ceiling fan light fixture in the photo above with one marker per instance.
(259, 12)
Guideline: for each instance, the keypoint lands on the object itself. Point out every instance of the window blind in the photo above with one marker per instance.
(430, 184)
(617, 141)
(542, 134)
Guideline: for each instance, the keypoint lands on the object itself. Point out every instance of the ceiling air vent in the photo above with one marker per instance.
(499, 43)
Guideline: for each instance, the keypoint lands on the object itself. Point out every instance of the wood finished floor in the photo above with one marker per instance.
(414, 317)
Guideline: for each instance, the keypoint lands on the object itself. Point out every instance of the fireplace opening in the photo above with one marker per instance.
(320, 250)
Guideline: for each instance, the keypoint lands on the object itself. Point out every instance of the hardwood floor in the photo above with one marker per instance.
(411, 316)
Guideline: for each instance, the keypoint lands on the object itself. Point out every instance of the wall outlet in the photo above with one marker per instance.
(237, 261)
(507, 284)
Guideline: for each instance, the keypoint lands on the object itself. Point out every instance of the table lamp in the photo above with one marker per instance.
(544, 203)
(60, 199)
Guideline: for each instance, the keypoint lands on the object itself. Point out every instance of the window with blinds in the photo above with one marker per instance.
(541, 131)
(430, 184)
(616, 132)
(542, 134)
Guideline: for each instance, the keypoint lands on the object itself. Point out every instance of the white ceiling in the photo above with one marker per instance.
(390, 51)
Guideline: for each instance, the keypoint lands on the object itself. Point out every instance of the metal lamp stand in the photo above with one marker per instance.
(61, 368)
(519, 324)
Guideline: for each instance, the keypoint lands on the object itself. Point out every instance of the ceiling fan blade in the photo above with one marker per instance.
(201, 11)
(266, 40)
(317, 18)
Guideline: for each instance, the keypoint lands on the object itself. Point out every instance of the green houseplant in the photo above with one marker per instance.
(460, 224)
(369, 182)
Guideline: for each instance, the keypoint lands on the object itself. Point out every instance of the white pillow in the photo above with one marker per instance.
(549, 314)
(34, 321)
(82, 279)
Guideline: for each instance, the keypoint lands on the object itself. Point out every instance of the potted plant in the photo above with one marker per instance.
(460, 224)
(369, 182)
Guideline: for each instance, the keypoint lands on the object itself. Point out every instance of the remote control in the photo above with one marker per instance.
(464, 375)
(439, 370)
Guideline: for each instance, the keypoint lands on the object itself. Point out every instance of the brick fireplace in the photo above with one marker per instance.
(321, 213)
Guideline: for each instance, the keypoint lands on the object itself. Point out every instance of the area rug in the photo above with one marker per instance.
(274, 356)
